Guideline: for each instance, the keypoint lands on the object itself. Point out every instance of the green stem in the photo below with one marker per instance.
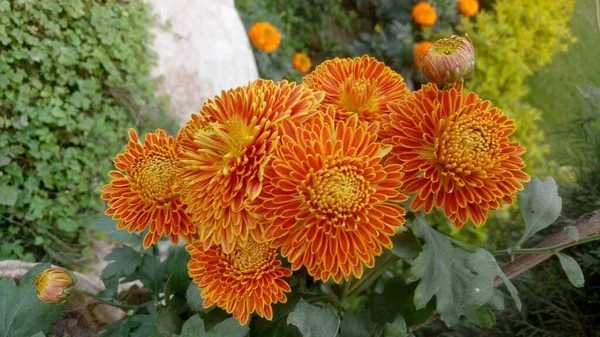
(110, 301)
(371, 275)
(552, 249)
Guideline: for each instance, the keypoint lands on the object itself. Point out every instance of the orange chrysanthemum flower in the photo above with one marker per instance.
(141, 192)
(419, 52)
(468, 7)
(246, 280)
(455, 153)
(264, 36)
(301, 62)
(362, 86)
(224, 152)
(424, 14)
(325, 199)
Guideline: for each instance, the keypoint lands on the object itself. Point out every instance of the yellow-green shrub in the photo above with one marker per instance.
(511, 43)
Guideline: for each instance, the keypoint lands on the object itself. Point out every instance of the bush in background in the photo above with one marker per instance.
(73, 78)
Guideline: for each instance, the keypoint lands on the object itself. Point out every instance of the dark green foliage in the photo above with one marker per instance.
(73, 79)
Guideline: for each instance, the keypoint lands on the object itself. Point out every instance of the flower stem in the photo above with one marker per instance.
(109, 301)
(552, 249)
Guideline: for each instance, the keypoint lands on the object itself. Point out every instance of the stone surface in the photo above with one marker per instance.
(203, 48)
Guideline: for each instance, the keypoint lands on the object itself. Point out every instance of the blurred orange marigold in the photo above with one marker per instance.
(468, 7)
(360, 86)
(301, 62)
(224, 151)
(424, 14)
(248, 279)
(264, 36)
(142, 191)
(325, 199)
(455, 153)
(419, 52)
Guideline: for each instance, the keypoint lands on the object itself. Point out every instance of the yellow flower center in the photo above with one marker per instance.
(154, 177)
(447, 46)
(336, 193)
(359, 96)
(467, 145)
(253, 257)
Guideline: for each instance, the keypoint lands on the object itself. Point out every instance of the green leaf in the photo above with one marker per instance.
(150, 272)
(107, 225)
(482, 316)
(572, 269)
(125, 261)
(406, 246)
(572, 232)
(20, 307)
(176, 268)
(357, 325)
(230, 327)
(432, 266)
(168, 320)
(68, 225)
(313, 321)
(278, 325)
(4, 160)
(540, 206)
(397, 328)
(119, 329)
(194, 298)
(39, 334)
(8, 195)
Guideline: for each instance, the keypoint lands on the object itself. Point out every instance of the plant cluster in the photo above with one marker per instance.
(73, 77)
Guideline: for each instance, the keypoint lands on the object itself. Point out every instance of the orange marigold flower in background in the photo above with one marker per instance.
(224, 151)
(142, 191)
(468, 7)
(301, 62)
(248, 279)
(264, 36)
(424, 14)
(54, 285)
(455, 153)
(325, 198)
(419, 52)
(360, 86)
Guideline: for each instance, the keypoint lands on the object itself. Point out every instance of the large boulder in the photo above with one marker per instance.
(203, 48)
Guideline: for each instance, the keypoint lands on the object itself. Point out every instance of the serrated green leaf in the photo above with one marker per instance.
(540, 205)
(125, 261)
(20, 306)
(68, 225)
(313, 321)
(572, 269)
(432, 266)
(194, 298)
(176, 268)
(8, 195)
(397, 328)
(168, 320)
(572, 232)
(230, 327)
(278, 325)
(406, 246)
(482, 316)
(357, 325)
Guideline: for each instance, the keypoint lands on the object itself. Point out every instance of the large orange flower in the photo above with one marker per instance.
(360, 86)
(142, 190)
(455, 153)
(325, 199)
(246, 280)
(224, 151)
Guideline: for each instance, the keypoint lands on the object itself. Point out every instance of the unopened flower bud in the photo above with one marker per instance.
(54, 285)
(449, 60)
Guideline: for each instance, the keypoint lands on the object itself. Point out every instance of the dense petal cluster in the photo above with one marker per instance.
(225, 149)
(247, 280)
(455, 153)
(424, 14)
(360, 86)
(328, 201)
(264, 36)
(142, 192)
